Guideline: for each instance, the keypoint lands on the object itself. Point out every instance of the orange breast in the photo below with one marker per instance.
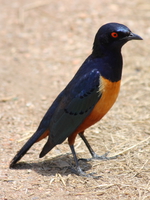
(109, 91)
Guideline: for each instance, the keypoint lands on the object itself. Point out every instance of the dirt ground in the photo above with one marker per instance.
(42, 44)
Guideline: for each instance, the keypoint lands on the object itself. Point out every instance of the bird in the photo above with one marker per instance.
(87, 98)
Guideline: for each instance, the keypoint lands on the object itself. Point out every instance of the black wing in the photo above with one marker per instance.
(78, 100)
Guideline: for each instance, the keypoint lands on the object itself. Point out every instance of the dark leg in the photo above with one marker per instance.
(93, 154)
(78, 169)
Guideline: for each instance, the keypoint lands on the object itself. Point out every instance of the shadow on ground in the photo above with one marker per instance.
(62, 165)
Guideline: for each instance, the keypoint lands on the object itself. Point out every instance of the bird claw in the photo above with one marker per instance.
(104, 157)
(97, 157)
(78, 171)
(84, 159)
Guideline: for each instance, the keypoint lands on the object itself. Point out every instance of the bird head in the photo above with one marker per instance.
(112, 36)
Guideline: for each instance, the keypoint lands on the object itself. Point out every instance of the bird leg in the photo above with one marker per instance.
(93, 154)
(78, 169)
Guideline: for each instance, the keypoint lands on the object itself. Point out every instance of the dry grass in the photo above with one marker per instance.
(42, 45)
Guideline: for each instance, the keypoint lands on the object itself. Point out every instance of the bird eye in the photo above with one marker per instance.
(114, 34)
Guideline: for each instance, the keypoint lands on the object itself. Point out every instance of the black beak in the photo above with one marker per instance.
(134, 36)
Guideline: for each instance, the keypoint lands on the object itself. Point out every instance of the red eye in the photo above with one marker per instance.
(114, 34)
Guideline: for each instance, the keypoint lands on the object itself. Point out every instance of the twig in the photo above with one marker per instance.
(26, 137)
(121, 152)
(61, 178)
(4, 99)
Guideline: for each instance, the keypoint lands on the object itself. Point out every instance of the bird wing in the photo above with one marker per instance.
(78, 100)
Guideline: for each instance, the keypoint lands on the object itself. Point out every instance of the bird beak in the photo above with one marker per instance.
(134, 36)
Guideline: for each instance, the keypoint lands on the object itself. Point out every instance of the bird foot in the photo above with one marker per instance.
(97, 157)
(78, 171)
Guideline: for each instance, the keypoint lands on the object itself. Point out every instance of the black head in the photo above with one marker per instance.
(112, 36)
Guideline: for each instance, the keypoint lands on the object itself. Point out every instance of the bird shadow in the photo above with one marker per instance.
(63, 165)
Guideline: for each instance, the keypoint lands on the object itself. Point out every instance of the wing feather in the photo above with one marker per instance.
(74, 107)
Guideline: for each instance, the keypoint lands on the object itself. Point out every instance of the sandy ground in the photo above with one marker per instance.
(42, 44)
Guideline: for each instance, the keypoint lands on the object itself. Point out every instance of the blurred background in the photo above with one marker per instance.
(42, 44)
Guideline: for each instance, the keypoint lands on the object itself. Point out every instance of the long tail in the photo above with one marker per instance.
(37, 136)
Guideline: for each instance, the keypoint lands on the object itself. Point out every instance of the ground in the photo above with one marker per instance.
(42, 44)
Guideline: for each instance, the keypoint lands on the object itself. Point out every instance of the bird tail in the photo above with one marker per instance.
(47, 147)
(37, 136)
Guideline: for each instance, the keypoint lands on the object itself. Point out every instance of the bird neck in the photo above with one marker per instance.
(111, 68)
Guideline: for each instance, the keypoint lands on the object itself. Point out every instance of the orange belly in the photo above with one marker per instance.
(109, 92)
